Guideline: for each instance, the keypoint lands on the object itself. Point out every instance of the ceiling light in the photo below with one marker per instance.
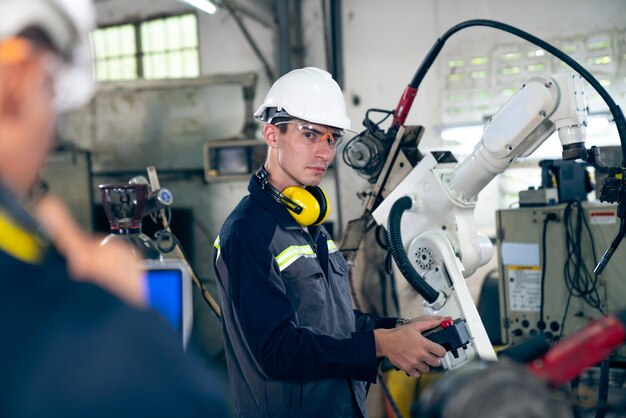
(204, 5)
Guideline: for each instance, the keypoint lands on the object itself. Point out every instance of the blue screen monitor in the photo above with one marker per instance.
(169, 293)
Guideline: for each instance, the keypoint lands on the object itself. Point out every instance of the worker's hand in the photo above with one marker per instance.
(113, 266)
(407, 349)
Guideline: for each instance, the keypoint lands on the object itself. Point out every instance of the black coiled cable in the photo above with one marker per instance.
(394, 239)
(579, 277)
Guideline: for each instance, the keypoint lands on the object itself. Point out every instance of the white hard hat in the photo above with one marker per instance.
(309, 94)
(67, 23)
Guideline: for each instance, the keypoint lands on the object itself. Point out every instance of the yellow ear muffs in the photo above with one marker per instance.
(322, 199)
(312, 200)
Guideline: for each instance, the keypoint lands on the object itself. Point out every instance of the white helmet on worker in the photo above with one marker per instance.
(66, 24)
(309, 94)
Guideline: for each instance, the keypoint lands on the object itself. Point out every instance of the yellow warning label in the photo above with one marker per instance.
(523, 267)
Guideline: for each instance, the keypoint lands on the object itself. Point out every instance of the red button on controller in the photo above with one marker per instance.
(446, 323)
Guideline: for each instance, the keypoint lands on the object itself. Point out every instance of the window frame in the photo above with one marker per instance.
(140, 52)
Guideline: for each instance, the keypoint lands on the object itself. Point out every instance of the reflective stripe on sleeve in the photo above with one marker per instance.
(216, 244)
(291, 254)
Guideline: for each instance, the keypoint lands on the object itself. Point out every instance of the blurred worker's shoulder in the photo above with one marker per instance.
(72, 340)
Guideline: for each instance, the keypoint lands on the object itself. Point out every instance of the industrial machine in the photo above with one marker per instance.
(546, 259)
(168, 283)
(169, 276)
(528, 388)
(428, 212)
(125, 206)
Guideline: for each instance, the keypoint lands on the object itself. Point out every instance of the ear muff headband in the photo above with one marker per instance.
(308, 206)
(263, 178)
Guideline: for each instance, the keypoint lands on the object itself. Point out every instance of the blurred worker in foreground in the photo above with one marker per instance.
(69, 348)
(294, 345)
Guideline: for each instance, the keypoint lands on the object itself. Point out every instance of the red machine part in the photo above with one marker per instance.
(404, 106)
(584, 349)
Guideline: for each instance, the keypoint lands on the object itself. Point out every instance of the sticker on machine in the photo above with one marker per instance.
(602, 217)
(524, 288)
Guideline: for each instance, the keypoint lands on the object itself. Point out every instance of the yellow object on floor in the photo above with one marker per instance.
(405, 390)
(402, 389)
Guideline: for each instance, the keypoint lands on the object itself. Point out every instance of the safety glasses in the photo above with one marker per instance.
(312, 133)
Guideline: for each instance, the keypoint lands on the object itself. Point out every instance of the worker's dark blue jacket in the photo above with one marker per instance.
(70, 349)
(294, 346)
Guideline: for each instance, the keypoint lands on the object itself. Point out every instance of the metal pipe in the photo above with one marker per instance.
(281, 8)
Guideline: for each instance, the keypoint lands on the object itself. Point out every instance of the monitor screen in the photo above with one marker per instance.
(231, 160)
(168, 292)
(165, 295)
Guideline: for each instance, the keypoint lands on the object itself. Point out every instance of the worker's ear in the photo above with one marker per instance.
(270, 134)
(21, 70)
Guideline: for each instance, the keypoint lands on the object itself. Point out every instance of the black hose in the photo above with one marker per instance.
(612, 247)
(394, 238)
(388, 395)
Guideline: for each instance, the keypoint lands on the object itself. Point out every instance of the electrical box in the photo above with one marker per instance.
(233, 159)
(532, 262)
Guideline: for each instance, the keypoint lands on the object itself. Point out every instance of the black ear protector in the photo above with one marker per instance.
(308, 206)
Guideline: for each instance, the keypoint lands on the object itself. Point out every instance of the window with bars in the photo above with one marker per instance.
(152, 49)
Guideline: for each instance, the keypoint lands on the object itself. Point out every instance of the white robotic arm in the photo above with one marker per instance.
(520, 126)
(438, 231)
